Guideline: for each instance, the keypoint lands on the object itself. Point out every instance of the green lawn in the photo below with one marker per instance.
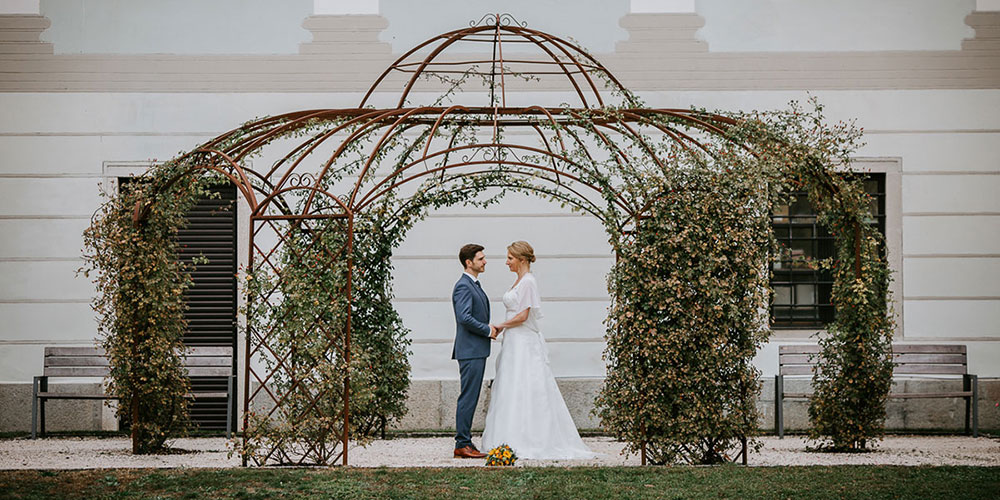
(755, 483)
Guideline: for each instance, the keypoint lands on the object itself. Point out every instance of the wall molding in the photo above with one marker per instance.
(345, 55)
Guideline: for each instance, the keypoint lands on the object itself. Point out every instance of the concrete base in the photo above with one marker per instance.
(60, 414)
(432, 407)
(901, 414)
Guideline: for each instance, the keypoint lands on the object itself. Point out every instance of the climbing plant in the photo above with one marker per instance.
(140, 304)
(686, 319)
(684, 195)
(854, 371)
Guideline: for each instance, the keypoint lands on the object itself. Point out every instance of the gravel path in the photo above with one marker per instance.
(93, 453)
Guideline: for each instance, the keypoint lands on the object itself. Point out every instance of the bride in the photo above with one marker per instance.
(527, 411)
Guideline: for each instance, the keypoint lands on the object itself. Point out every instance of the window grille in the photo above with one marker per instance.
(802, 294)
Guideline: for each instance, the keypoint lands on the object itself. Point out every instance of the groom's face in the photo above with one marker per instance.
(478, 263)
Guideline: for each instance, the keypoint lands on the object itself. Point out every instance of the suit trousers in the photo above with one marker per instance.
(471, 374)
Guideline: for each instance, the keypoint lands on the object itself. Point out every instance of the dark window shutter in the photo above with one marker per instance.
(211, 314)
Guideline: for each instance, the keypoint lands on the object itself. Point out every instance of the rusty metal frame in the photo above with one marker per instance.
(270, 192)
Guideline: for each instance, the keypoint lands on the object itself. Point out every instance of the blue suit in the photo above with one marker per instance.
(472, 347)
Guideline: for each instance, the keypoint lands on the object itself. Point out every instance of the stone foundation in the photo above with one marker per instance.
(432, 406)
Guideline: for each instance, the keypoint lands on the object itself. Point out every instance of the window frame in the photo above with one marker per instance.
(892, 168)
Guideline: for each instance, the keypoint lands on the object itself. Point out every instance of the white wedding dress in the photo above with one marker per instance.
(527, 411)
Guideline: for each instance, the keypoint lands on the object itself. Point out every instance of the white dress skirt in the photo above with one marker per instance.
(527, 411)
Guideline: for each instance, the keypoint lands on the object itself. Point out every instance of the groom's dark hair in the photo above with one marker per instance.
(468, 252)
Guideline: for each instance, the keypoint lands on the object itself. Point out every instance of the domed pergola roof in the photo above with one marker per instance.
(497, 50)
(309, 153)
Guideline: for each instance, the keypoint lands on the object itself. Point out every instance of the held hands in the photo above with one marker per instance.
(495, 331)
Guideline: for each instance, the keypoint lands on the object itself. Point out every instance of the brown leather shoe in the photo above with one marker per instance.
(468, 452)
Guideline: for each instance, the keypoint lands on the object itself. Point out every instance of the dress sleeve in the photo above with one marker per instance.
(528, 296)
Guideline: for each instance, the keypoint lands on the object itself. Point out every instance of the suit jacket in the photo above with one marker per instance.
(472, 316)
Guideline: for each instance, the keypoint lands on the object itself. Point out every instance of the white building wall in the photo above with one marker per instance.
(55, 143)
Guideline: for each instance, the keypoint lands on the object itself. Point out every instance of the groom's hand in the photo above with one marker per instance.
(494, 331)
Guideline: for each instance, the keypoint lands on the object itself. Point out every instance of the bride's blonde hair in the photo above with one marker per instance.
(522, 250)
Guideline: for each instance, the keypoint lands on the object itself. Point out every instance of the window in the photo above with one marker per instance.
(801, 294)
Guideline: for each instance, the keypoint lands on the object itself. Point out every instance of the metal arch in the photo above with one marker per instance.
(229, 150)
(374, 195)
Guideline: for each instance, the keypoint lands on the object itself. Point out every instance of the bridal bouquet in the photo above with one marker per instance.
(501, 455)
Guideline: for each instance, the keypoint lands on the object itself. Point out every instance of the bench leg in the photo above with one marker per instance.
(975, 405)
(34, 408)
(43, 384)
(230, 400)
(779, 395)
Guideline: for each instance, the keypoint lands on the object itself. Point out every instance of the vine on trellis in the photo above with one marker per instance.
(685, 197)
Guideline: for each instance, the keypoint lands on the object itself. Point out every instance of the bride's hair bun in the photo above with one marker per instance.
(522, 250)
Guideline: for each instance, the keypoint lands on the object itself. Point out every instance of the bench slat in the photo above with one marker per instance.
(796, 370)
(76, 361)
(929, 348)
(905, 395)
(796, 359)
(912, 395)
(70, 395)
(201, 371)
(913, 369)
(798, 349)
(74, 351)
(916, 369)
(950, 359)
(211, 351)
(196, 395)
(208, 361)
(905, 358)
(99, 351)
(76, 371)
(96, 361)
(797, 395)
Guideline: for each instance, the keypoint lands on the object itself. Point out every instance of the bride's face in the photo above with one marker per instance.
(513, 263)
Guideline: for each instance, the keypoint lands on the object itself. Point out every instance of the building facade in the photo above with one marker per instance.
(92, 91)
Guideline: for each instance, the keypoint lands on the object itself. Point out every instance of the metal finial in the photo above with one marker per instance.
(498, 20)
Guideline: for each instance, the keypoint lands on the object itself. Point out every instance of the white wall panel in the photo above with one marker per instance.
(879, 110)
(41, 281)
(780, 26)
(549, 236)
(86, 154)
(20, 362)
(766, 360)
(975, 152)
(983, 359)
(64, 196)
(95, 113)
(874, 110)
(952, 318)
(951, 193)
(433, 362)
(47, 323)
(42, 238)
(557, 278)
(436, 320)
(944, 277)
(567, 359)
(969, 234)
(49, 155)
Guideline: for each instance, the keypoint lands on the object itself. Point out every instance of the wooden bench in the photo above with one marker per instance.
(64, 362)
(927, 360)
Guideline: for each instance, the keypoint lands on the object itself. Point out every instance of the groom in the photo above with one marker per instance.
(472, 344)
